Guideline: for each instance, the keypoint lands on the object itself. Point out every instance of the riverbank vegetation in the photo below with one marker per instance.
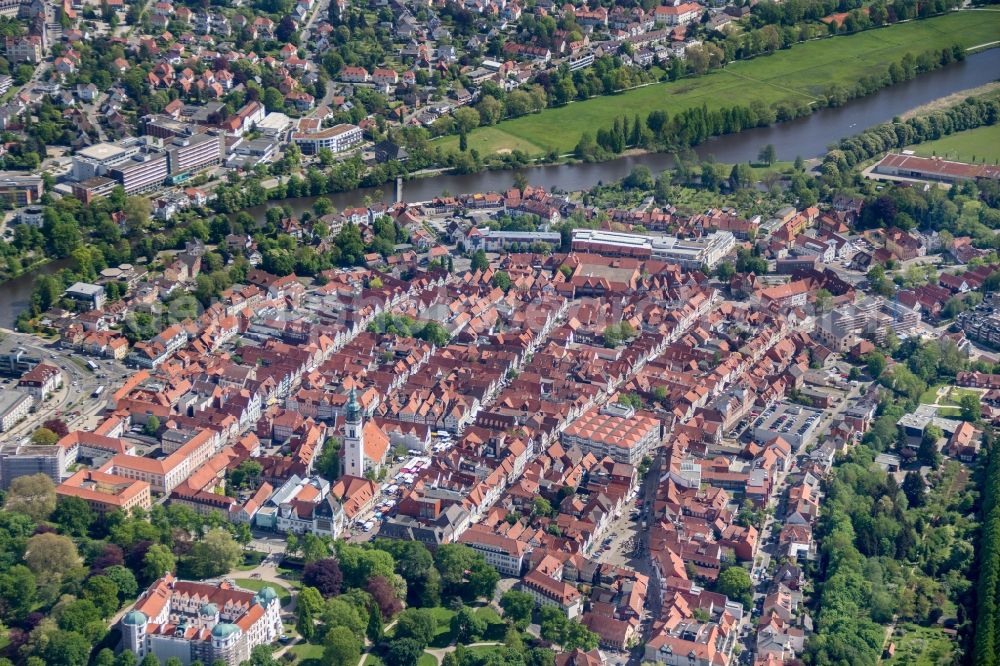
(806, 74)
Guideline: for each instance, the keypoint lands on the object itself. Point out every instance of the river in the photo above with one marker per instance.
(806, 137)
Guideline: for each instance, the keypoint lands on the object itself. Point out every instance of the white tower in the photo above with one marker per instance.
(354, 438)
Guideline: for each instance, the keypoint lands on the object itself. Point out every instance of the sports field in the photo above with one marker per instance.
(802, 72)
(980, 145)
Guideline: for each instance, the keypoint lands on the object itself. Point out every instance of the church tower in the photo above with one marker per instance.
(354, 438)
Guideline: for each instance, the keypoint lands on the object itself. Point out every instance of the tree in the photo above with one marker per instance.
(767, 154)
(157, 562)
(74, 515)
(479, 261)
(152, 425)
(970, 407)
(44, 437)
(77, 615)
(875, 364)
(18, 591)
(467, 626)
(217, 553)
(58, 426)
(824, 299)
(308, 607)
(33, 495)
(418, 624)
(344, 611)
(66, 648)
(376, 626)
(725, 271)
(502, 280)
(49, 555)
(384, 597)
(341, 647)
(735, 583)
(124, 580)
(150, 660)
(517, 607)
(928, 452)
(404, 652)
(914, 488)
(324, 575)
(103, 592)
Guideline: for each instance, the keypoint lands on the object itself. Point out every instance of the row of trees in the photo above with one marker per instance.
(696, 125)
(970, 113)
(986, 643)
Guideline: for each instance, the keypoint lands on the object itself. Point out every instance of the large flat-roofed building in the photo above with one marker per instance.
(188, 154)
(494, 241)
(933, 168)
(625, 438)
(25, 460)
(95, 160)
(796, 424)
(91, 296)
(21, 190)
(688, 253)
(145, 172)
(14, 406)
(337, 139)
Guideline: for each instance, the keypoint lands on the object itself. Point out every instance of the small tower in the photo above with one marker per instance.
(354, 438)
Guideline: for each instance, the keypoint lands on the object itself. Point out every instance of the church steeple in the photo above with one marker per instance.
(354, 437)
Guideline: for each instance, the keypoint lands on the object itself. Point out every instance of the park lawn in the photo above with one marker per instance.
(800, 73)
(284, 597)
(427, 660)
(372, 660)
(921, 646)
(955, 395)
(930, 395)
(443, 636)
(309, 654)
(976, 145)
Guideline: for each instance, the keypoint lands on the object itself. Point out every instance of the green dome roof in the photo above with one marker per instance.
(266, 595)
(224, 630)
(135, 618)
(209, 609)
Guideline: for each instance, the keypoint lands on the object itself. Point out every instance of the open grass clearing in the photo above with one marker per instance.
(980, 145)
(802, 72)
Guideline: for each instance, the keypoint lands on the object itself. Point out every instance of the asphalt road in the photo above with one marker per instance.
(72, 403)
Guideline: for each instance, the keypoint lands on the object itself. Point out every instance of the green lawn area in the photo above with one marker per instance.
(930, 395)
(309, 654)
(800, 73)
(976, 145)
(256, 585)
(427, 660)
(921, 646)
(372, 660)
(443, 637)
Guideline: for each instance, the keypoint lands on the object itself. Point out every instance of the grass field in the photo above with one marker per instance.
(308, 654)
(803, 73)
(976, 145)
(921, 646)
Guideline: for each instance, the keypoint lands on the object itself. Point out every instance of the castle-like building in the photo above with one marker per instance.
(201, 621)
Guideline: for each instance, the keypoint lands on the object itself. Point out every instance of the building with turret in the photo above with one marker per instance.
(205, 622)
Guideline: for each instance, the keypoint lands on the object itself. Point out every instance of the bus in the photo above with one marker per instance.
(97, 392)
(91, 365)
